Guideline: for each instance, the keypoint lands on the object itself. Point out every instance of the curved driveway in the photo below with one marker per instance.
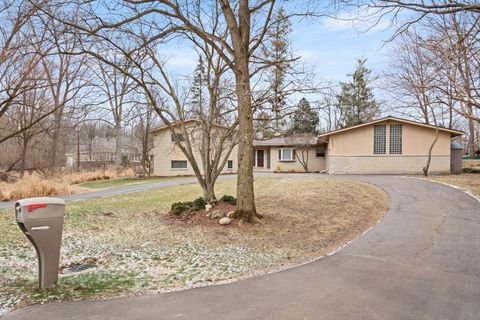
(422, 261)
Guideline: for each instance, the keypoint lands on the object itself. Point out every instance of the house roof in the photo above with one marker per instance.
(453, 132)
(108, 144)
(290, 140)
(186, 121)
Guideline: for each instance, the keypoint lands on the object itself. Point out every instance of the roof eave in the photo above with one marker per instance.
(454, 133)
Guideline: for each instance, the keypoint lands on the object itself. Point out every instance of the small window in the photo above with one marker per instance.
(320, 152)
(395, 139)
(230, 164)
(380, 139)
(177, 137)
(179, 164)
(286, 154)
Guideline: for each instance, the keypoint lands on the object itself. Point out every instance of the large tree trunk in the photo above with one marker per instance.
(209, 192)
(245, 195)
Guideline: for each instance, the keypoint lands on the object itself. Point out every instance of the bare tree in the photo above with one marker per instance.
(145, 120)
(456, 48)
(24, 115)
(303, 143)
(117, 87)
(64, 76)
(436, 65)
(430, 149)
(330, 113)
(411, 77)
(20, 53)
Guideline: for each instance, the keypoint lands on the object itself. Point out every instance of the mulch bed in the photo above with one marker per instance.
(200, 217)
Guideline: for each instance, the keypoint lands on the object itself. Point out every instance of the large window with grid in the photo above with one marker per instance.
(395, 139)
(380, 139)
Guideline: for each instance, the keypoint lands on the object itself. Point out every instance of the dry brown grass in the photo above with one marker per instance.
(470, 182)
(304, 218)
(33, 185)
(79, 177)
(471, 164)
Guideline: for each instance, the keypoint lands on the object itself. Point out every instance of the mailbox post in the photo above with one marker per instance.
(41, 220)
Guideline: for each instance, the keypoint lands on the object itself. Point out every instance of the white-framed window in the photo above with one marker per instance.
(230, 164)
(379, 139)
(286, 154)
(179, 164)
(395, 139)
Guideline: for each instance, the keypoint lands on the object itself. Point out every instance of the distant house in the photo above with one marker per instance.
(102, 150)
(385, 146)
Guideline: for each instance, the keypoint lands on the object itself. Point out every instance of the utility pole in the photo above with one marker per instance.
(78, 148)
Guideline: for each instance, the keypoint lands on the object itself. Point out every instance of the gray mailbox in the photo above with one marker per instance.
(41, 220)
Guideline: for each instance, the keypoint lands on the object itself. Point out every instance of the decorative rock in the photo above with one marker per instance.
(208, 207)
(230, 214)
(225, 221)
(216, 214)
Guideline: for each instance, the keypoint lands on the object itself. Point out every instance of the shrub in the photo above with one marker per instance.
(180, 207)
(228, 199)
(198, 204)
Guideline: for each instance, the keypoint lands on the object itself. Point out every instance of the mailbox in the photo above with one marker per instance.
(41, 220)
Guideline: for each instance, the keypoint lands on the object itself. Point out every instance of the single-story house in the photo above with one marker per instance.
(385, 146)
(388, 146)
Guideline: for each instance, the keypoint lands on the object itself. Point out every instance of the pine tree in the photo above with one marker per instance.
(197, 89)
(277, 51)
(356, 100)
(305, 120)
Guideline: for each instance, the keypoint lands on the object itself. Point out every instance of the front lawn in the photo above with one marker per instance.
(135, 247)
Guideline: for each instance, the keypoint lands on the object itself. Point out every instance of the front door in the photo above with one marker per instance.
(260, 158)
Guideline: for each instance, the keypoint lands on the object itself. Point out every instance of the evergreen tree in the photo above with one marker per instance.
(198, 84)
(277, 52)
(356, 100)
(305, 120)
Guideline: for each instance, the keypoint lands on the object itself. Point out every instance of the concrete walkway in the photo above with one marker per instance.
(422, 261)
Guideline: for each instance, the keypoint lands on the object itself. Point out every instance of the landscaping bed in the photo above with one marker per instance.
(131, 244)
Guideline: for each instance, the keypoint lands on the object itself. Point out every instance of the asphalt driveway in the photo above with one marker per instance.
(422, 261)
